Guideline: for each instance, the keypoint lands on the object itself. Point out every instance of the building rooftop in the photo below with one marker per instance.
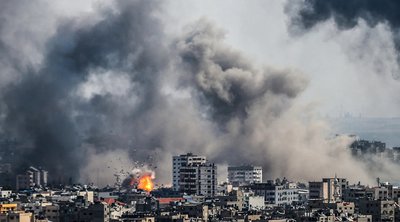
(244, 167)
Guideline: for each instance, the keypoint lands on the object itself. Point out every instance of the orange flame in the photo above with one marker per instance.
(146, 183)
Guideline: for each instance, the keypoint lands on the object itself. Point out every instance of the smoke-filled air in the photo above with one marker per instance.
(96, 89)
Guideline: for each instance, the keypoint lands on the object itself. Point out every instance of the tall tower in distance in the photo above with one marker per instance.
(184, 160)
(193, 175)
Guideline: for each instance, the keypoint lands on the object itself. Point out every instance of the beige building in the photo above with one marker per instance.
(87, 195)
(4, 208)
(16, 216)
(329, 190)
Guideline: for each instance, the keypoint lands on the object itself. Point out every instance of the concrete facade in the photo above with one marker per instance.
(184, 160)
(244, 175)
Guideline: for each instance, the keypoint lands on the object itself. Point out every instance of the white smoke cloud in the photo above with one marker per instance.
(103, 83)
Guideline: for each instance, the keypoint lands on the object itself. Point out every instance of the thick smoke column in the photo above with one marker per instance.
(113, 84)
(368, 33)
(227, 81)
(346, 14)
(43, 106)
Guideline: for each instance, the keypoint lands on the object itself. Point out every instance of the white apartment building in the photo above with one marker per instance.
(286, 194)
(276, 194)
(244, 175)
(207, 179)
(31, 178)
(194, 176)
(184, 160)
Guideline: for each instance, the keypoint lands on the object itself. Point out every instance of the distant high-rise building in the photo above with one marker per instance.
(361, 147)
(184, 160)
(31, 178)
(193, 175)
(36, 175)
(198, 179)
(25, 181)
(244, 175)
(7, 178)
(43, 177)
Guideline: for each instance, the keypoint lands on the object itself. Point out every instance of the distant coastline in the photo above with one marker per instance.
(382, 129)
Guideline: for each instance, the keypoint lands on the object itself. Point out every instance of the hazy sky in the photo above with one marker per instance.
(87, 82)
(350, 70)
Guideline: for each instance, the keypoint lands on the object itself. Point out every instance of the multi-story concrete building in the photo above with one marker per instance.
(342, 208)
(207, 180)
(17, 216)
(193, 175)
(329, 190)
(286, 194)
(316, 190)
(197, 211)
(382, 192)
(43, 177)
(244, 175)
(35, 175)
(355, 193)
(360, 147)
(381, 210)
(31, 178)
(184, 160)
(276, 194)
(25, 181)
(267, 190)
(198, 179)
(4, 208)
(97, 212)
(52, 212)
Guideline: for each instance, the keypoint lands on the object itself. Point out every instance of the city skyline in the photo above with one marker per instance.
(89, 89)
(199, 110)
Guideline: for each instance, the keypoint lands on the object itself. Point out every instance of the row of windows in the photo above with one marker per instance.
(345, 208)
(287, 199)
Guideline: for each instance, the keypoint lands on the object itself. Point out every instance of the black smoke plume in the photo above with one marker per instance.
(347, 14)
(43, 108)
(108, 88)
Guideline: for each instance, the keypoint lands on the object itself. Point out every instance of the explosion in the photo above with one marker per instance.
(142, 178)
(146, 183)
